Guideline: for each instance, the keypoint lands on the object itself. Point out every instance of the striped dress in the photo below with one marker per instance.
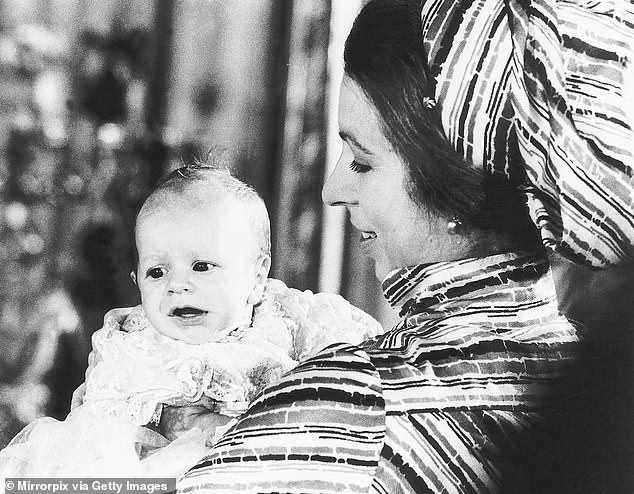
(447, 401)
(544, 90)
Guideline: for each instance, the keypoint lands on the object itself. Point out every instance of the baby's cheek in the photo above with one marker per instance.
(145, 289)
(155, 313)
(153, 299)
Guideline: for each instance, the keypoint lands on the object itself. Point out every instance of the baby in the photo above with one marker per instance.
(211, 331)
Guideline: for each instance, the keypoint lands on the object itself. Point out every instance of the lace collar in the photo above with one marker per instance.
(425, 286)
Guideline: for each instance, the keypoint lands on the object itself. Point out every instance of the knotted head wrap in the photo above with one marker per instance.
(545, 88)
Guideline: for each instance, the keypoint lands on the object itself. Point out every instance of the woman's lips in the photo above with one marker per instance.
(366, 236)
(366, 242)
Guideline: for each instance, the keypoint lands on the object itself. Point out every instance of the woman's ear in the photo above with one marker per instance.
(262, 268)
(133, 276)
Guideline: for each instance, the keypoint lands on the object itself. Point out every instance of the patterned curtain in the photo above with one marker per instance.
(302, 152)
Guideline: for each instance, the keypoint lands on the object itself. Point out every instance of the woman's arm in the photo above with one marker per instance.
(320, 429)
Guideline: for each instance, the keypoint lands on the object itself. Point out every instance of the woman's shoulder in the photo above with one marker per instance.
(323, 423)
(441, 363)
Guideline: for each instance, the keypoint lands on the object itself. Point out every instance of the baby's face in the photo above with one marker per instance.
(197, 270)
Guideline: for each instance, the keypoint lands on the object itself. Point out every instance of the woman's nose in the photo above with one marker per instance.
(338, 189)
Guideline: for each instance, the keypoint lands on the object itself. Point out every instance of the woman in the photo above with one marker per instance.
(456, 397)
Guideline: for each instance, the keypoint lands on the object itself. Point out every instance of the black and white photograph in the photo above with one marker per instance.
(317, 246)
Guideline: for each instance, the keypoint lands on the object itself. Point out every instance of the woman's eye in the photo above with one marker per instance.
(155, 273)
(358, 167)
(202, 266)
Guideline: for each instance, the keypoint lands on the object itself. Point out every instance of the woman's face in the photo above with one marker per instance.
(370, 181)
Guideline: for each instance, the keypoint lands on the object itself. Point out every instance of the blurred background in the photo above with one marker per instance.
(99, 99)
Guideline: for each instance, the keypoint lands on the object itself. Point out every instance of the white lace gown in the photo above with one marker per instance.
(136, 370)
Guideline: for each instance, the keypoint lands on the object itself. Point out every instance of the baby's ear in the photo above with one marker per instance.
(262, 268)
(133, 276)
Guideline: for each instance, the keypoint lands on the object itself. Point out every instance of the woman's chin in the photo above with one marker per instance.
(384, 261)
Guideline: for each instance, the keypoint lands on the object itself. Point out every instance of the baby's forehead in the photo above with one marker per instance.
(194, 218)
(195, 202)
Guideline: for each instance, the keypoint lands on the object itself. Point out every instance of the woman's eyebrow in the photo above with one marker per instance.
(352, 140)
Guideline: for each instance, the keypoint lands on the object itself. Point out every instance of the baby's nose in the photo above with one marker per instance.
(178, 288)
(179, 284)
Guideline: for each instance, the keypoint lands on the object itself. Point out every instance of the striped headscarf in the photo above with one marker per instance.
(548, 86)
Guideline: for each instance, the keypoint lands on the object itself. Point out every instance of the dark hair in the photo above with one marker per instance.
(384, 55)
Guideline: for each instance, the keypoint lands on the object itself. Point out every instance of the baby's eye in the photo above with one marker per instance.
(202, 266)
(357, 167)
(155, 273)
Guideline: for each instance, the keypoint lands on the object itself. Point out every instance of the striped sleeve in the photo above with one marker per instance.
(320, 429)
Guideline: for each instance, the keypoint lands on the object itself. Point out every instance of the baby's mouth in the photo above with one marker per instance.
(187, 312)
